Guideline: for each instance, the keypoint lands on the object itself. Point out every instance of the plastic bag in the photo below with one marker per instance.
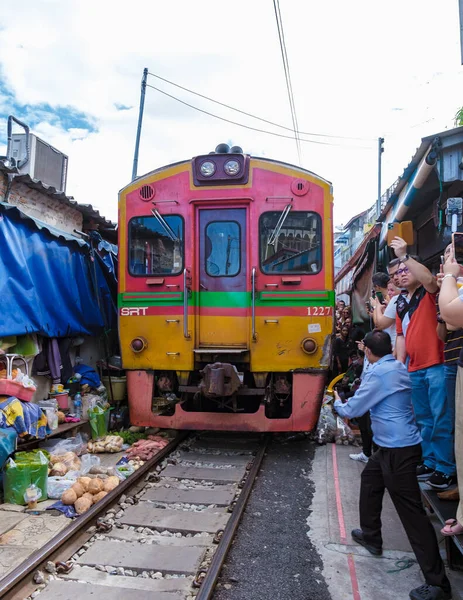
(123, 468)
(28, 468)
(32, 495)
(72, 444)
(344, 433)
(58, 485)
(89, 461)
(98, 422)
(62, 463)
(326, 426)
(68, 510)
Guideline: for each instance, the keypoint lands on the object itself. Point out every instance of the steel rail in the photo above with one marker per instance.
(18, 574)
(209, 582)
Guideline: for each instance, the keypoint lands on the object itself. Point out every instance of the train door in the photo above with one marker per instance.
(222, 302)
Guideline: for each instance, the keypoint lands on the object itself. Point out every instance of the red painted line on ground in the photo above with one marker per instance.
(342, 526)
(353, 577)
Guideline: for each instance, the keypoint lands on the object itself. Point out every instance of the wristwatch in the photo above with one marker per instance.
(405, 258)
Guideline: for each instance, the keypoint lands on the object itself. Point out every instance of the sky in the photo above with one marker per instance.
(361, 69)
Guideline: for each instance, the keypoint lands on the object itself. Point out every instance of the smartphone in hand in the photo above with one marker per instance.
(380, 297)
(457, 243)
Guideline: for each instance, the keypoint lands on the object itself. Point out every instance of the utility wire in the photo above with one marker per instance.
(289, 87)
(243, 112)
(280, 135)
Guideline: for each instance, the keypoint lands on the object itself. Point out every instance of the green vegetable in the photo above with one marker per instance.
(130, 438)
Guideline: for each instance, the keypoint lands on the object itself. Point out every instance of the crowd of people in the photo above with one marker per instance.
(403, 383)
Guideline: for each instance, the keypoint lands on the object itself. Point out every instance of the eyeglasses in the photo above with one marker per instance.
(400, 271)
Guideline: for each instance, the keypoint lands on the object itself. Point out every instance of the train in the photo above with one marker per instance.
(226, 299)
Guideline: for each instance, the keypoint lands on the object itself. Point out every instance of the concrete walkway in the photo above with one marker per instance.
(350, 571)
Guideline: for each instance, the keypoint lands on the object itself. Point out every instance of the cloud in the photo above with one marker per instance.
(122, 106)
(73, 71)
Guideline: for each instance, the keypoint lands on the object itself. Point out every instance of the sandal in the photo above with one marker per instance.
(452, 527)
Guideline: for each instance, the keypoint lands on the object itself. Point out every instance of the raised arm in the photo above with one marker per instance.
(422, 273)
(379, 318)
(450, 304)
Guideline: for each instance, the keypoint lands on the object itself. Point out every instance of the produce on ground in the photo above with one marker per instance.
(61, 464)
(110, 443)
(146, 449)
(87, 492)
(130, 437)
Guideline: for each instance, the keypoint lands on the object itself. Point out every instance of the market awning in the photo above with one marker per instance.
(361, 282)
(344, 279)
(48, 282)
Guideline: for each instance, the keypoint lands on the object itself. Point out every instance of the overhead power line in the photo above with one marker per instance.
(289, 87)
(243, 112)
(280, 135)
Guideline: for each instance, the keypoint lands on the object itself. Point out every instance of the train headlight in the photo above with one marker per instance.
(138, 344)
(207, 168)
(309, 345)
(232, 167)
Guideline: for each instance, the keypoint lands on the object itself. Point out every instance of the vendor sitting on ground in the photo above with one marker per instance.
(386, 392)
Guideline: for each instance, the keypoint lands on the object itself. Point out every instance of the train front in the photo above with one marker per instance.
(226, 298)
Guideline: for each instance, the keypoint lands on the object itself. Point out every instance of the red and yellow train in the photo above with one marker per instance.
(226, 300)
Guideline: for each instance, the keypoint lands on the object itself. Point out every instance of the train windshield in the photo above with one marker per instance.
(297, 248)
(155, 249)
(223, 249)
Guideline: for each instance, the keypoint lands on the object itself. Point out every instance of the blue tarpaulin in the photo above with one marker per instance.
(47, 280)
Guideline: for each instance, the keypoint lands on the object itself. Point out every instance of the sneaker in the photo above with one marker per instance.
(440, 481)
(429, 592)
(357, 536)
(361, 457)
(423, 472)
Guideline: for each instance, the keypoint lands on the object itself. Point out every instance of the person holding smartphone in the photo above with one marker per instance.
(384, 305)
(386, 391)
(418, 345)
(451, 311)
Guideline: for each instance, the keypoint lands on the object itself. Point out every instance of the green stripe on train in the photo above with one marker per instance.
(227, 299)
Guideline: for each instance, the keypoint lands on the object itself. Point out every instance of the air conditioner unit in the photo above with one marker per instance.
(45, 163)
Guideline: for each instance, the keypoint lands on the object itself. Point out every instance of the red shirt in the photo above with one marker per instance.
(423, 346)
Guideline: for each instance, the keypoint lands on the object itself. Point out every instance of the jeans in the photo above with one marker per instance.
(450, 373)
(434, 418)
(394, 469)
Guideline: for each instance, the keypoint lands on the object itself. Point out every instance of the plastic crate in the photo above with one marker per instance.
(13, 388)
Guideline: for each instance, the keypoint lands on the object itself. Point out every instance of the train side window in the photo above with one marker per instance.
(296, 247)
(223, 249)
(155, 249)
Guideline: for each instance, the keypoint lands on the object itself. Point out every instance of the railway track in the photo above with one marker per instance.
(162, 534)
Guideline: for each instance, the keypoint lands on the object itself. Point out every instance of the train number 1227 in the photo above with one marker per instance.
(320, 311)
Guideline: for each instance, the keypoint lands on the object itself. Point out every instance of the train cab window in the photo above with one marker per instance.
(156, 245)
(223, 249)
(290, 242)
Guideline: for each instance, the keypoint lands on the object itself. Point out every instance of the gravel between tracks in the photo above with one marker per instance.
(272, 557)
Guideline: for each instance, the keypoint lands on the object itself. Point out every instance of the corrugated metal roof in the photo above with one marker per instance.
(57, 233)
(85, 209)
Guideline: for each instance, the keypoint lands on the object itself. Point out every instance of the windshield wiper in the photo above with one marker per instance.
(276, 232)
(170, 232)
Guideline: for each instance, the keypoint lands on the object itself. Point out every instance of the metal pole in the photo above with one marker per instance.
(380, 151)
(460, 6)
(140, 120)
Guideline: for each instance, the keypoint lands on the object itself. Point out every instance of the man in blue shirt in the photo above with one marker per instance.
(386, 392)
